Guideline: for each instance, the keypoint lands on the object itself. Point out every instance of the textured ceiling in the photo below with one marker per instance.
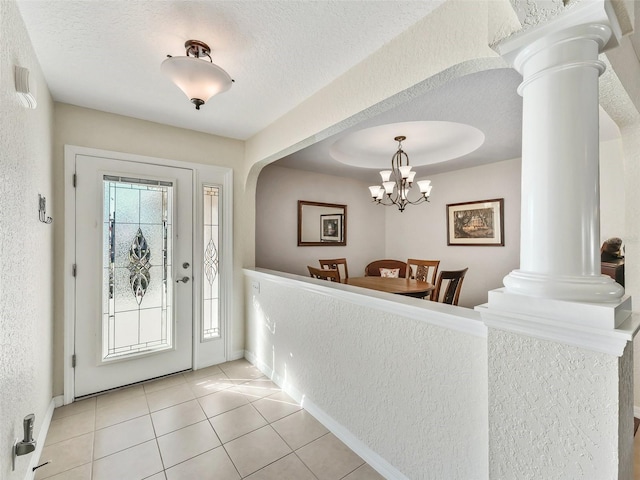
(106, 55)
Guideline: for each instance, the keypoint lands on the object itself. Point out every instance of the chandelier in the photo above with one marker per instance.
(397, 182)
(198, 78)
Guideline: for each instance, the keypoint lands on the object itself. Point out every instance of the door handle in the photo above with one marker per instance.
(183, 280)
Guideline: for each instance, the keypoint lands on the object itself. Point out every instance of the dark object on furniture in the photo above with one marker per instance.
(324, 274)
(424, 270)
(612, 259)
(373, 269)
(449, 286)
(610, 250)
(334, 264)
(615, 269)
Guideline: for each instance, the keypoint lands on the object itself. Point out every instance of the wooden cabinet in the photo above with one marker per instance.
(615, 269)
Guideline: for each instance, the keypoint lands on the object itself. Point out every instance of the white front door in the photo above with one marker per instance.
(134, 272)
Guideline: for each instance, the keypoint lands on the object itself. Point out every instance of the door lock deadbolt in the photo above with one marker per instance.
(185, 265)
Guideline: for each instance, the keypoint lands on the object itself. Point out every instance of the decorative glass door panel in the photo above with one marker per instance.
(137, 228)
(133, 285)
(210, 280)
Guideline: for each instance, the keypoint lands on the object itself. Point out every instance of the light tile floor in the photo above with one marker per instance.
(226, 422)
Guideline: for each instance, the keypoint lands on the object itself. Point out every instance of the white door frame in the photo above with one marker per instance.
(202, 174)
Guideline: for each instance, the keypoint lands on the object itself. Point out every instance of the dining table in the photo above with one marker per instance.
(401, 286)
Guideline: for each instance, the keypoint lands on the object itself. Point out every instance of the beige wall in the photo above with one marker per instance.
(612, 209)
(377, 232)
(94, 129)
(279, 190)
(26, 245)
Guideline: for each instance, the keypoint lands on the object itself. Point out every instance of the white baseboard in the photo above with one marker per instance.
(378, 463)
(636, 411)
(237, 355)
(42, 436)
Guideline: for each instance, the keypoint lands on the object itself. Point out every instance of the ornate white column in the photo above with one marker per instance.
(559, 334)
(560, 224)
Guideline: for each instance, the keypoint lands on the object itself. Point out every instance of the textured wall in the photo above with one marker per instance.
(553, 409)
(413, 392)
(531, 13)
(94, 129)
(26, 245)
(626, 416)
(277, 195)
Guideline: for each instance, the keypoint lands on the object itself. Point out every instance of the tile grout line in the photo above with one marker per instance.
(250, 398)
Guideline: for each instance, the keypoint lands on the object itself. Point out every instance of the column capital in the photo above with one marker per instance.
(594, 19)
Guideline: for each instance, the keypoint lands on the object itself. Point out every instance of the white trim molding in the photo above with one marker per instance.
(600, 327)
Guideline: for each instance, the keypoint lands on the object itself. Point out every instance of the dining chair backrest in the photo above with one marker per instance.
(335, 264)
(373, 269)
(424, 270)
(324, 274)
(449, 286)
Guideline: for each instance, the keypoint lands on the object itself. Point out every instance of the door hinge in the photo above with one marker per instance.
(73, 361)
(74, 269)
(75, 180)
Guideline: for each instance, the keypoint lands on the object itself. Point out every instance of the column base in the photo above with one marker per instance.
(596, 289)
(601, 327)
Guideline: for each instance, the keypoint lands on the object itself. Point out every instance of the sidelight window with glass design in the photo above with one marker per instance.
(137, 233)
(210, 280)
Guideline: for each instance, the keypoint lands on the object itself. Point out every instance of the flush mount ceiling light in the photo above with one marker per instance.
(198, 78)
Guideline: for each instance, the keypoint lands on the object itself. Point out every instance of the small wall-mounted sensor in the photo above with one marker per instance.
(25, 88)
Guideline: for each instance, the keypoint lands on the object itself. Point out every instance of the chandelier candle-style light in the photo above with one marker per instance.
(198, 78)
(397, 182)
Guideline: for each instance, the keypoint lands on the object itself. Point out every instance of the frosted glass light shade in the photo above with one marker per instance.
(386, 175)
(198, 79)
(411, 176)
(404, 171)
(375, 190)
(388, 187)
(424, 186)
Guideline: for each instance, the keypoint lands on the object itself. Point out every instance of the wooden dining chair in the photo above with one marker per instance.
(324, 274)
(449, 286)
(335, 265)
(423, 270)
(373, 269)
